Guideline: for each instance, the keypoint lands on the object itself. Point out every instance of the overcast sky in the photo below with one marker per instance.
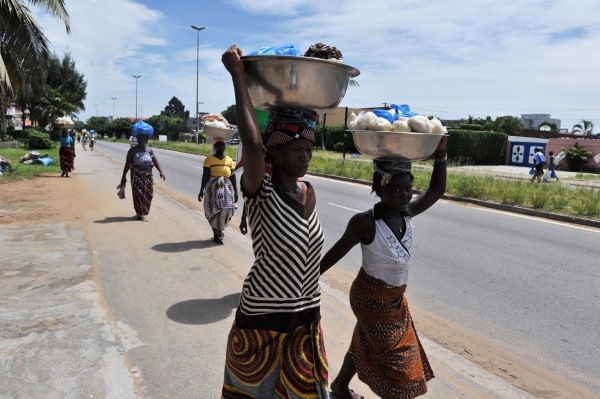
(480, 58)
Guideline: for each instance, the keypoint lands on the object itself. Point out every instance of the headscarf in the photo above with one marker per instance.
(388, 168)
(289, 124)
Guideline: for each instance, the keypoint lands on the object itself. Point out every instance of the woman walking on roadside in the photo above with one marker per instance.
(275, 347)
(385, 350)
(66, 153)
(140, 160)
(219, 184)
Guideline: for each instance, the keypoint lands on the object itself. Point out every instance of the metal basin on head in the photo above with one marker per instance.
(277, 81)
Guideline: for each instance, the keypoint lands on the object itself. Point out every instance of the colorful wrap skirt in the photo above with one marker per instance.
(385, 347)
(67, 158)
(219, 205)
(142, 191)
(270, 364)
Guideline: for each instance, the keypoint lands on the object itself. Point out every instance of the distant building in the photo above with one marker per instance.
(533, 121)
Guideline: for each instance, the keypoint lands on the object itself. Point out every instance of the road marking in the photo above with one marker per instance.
(343, 207)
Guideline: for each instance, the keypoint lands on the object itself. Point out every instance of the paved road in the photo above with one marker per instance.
(499, 274)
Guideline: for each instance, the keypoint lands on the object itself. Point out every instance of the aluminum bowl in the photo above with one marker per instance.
(402, 146)
(219, 132)
(278, 81)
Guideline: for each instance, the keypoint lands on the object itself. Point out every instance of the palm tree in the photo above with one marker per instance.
(585, 128)
(24, 49)
(56, 105)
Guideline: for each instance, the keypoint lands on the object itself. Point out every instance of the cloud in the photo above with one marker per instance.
(474, 58)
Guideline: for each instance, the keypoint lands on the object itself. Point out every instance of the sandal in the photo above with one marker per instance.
(353, 395)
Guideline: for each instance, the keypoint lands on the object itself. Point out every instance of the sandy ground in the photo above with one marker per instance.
(46, 199)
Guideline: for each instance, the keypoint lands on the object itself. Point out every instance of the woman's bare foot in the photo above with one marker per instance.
(341, 392)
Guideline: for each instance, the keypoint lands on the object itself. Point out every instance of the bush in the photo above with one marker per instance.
(39, 140)
(21, 135)
(333, 136)
(471, 126)
(576, 157)
(477, 148)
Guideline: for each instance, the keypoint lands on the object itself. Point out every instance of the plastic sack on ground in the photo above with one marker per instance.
(287, 49)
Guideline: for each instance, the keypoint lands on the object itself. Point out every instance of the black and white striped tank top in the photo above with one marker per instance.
(287, 249)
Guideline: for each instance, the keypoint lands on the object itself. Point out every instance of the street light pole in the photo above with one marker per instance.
(197, 29)
(113, 116)
(136, 78)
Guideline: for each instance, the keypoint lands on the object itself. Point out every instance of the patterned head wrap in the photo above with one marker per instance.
(285, 125)
(389, 168)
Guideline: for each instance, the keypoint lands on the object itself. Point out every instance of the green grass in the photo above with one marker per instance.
(22, 171)
(549, 197)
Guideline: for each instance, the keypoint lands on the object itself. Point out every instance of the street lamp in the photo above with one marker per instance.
(113, 116)
(197, 29)
(136, 78)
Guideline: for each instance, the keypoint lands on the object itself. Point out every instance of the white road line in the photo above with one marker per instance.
(343, 207)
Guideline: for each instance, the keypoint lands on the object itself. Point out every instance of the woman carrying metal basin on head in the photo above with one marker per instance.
(275, 347)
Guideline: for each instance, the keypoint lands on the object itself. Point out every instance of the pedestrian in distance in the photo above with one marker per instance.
(539, 161)
(140, 160)
(553, 162)
(275, 347)
(385, 350)
(220, 186)
(66, 153)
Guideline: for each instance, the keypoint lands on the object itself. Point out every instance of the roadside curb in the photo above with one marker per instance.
(488, 204)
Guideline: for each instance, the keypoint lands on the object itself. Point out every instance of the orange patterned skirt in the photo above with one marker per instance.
(271, 364)
(385, 347)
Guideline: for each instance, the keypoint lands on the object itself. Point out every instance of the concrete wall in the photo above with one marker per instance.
(592, 145)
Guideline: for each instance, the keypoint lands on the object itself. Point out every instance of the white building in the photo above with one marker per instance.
(533, 121)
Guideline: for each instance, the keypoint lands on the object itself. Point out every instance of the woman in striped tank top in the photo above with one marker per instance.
(275, 348)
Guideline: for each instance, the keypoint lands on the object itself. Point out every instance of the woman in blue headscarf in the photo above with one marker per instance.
(140, 160)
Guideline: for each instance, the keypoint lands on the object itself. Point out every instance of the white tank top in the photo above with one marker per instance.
(386, 258)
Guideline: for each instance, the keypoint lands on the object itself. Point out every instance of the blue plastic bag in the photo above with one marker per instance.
(403, 110)
(142, 127)
(385, 114)
(287, 49)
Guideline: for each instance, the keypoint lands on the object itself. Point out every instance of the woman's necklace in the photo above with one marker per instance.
(398, 226)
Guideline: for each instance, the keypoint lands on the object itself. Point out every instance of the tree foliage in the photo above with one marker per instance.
(176, 108)
(24, 49)
(576, 157)
(553, 126)
(173, 120)
(584, 127)
(230, 114)
(167, 125)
